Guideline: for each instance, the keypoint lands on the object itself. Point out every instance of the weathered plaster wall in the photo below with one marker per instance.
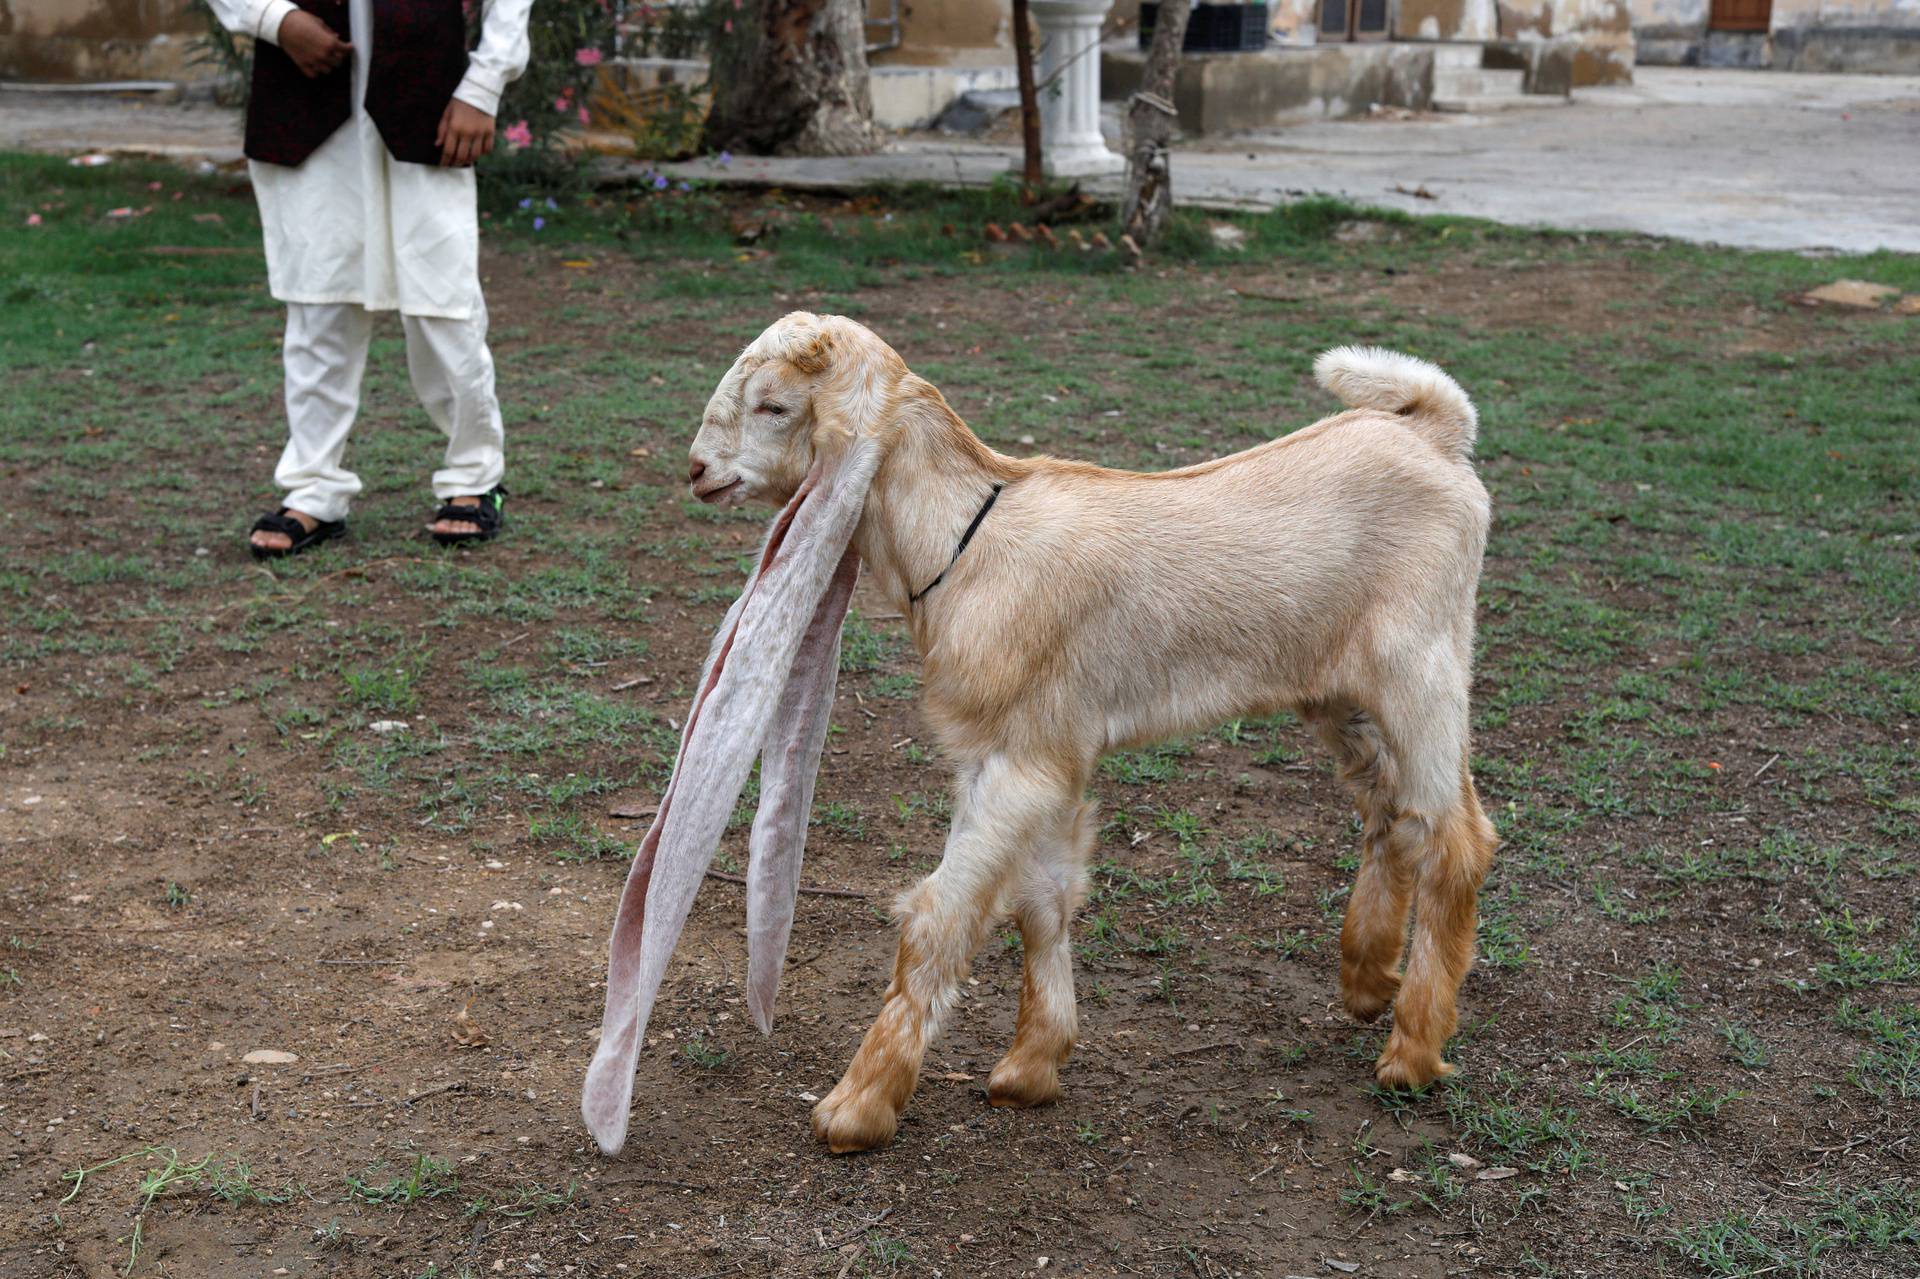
(1570, 42)
(82, 40)
(1294, 22)
(950, 33)
(1445, 20)
(1805, 35)
(1225, 92)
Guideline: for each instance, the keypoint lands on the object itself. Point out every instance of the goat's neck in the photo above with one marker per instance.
(931, 485)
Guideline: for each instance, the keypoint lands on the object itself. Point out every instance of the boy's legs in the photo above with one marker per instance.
(452, 372)
(326, 356)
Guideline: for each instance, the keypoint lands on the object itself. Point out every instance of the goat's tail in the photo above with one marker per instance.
(1367, 377)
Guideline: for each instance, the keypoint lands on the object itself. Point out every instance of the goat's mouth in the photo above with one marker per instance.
(730, 492)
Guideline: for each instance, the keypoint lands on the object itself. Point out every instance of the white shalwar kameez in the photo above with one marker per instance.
(352, 231)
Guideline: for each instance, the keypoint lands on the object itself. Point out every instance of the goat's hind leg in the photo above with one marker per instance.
(1048, 888)
(1375, 931)
(1452, 852)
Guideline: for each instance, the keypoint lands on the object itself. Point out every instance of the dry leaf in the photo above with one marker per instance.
(1497, 1174)
(465, 1032)
(1862, 295)
(633, 812)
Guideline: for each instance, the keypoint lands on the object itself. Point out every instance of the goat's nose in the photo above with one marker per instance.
(695, 469)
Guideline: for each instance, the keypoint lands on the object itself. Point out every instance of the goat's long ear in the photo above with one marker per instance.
(768, 679)
(789, 766)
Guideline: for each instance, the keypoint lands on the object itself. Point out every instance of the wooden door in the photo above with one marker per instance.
(1354, 19)
(1740, 15)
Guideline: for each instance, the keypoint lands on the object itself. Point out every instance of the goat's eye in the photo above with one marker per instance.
(774, 409)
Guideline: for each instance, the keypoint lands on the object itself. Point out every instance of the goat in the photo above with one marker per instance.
(1061, 611)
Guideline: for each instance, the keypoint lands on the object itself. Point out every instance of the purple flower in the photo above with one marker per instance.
(539, 223)
(686, 186)
(551, 204)
(527, 203)
(660, 182)
(726, 158)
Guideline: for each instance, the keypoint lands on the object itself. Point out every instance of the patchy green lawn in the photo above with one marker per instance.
(1692, 1046)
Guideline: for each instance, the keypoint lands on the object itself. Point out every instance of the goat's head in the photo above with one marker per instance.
(801, 393)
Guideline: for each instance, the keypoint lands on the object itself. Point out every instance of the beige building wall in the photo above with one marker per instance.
(946, 33)
(93, 40)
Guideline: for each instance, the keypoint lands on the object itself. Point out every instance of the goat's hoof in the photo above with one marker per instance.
(849, 1121)
(1020, 1084)
(1406, 1065)
(1367, 997)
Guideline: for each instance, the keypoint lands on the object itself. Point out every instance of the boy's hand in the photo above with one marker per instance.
(466, 134)
(311, 44)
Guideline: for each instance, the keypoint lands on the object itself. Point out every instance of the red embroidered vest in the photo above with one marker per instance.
(419, 59)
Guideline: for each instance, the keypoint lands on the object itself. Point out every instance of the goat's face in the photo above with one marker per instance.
(805, 381)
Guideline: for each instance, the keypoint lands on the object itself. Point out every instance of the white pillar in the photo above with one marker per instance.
(1070, 88)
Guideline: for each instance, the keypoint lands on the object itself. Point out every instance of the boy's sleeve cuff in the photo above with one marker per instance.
(272, 14)
(481, 91)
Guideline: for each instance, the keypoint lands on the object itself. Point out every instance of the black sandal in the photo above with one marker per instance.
(282, 522)
(489, 517)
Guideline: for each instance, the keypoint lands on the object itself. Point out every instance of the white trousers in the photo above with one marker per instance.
(452, 372)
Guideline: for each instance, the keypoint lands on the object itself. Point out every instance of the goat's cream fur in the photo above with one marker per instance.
(1331, 572)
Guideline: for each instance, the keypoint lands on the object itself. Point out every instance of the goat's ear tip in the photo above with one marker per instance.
(609, 1134)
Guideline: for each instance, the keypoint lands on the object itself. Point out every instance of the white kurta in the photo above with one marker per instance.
(354, 225)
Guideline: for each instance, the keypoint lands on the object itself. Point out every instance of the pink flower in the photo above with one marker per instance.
(588, 57)
(729, 26)
(584, 118)
(519, 135)
(33, 219)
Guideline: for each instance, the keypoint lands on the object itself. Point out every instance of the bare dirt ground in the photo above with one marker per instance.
(207, 849)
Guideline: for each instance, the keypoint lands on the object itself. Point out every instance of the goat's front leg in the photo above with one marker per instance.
(999, 806)
(1052, 883)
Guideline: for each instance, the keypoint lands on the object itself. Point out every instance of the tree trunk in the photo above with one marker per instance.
(1030, 171)
(1150, 121)
(790, 78)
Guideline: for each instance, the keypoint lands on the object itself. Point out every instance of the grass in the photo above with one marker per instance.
(1693, 710)
(1827, 1233)
(426, 1178)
